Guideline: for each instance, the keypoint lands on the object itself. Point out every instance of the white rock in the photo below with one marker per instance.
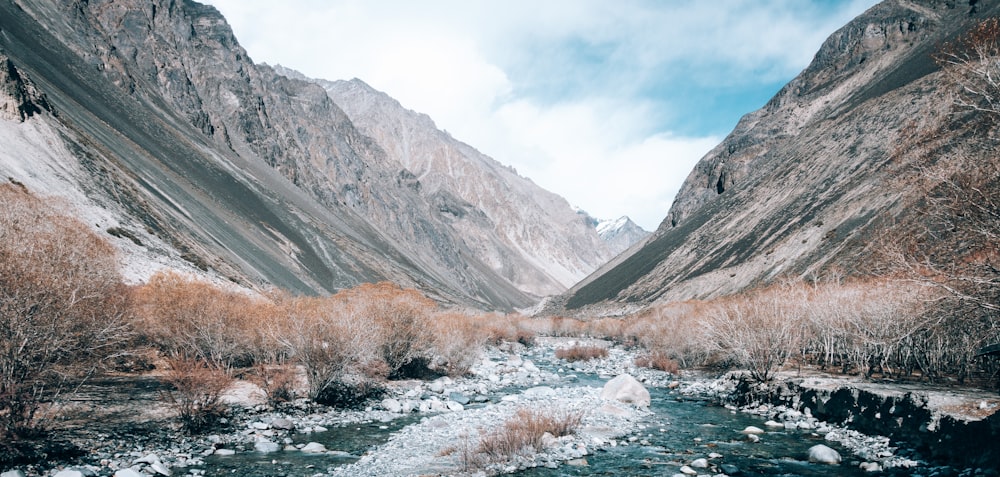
(128, 473)
(871, 467)
(147, 459)
(773, 424)
(688, 471)
(69, 473)
(515, 361)
(625, 388)
(753, 430)
(13, 473)
(714, 455)
(700, 463)
(392, 405)
(529, 366)
(266, 447)
(822, 454)
(319, 429)
(753, 438)
(260, 426)
(224, 452)
(539, 391)
(283, 424)
(454, 406)
(314, 448)
(161, 469)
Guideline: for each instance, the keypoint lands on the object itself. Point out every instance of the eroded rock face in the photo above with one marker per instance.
(802, 185)
(19, 98)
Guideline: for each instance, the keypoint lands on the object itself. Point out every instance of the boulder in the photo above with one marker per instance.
(265, 447)
(69, 473)
(625, 388)
(688, 470)
(454, 406)
(752, 430)
(314, 448)
(822, 454)
(871, 467)
(283, 424)
(224, 452)
(392, 405)
(161, 469)
(699, 463)
(13, 473)
(529, 366)
(148, 459)
(459, 398)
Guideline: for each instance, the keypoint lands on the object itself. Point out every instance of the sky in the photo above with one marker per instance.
(608, 103)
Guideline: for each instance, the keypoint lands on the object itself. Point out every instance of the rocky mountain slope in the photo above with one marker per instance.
(807, 184)
(528, 235)
(149, 120)
(621, 233)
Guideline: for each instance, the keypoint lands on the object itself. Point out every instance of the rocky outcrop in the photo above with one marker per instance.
(805, 184)
(950, 425)
(163, 127)
(526, 234)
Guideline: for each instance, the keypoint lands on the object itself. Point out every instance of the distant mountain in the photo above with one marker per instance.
(151, 122)
(528, 235)
(810, 183)
(621, 233)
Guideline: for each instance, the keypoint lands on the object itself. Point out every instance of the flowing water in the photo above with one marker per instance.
(678, 431)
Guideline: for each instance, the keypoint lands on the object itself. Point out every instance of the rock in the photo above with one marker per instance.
(773, 424)
(529, 366)
(283, 424)
(454, 406)
(612, 410)
(265, 447)
(700, 463)
(822, 454)
(69, 473)
(714, 455)
(625, 388)
(577, 463)
(753, 438)
(729, 469)
(805, 425)
(161, 469)
(539, 392)
(314, 448)
(224, 452)
(147, 459)
(319, 429)
(515, 361)
(752, 430)
(871, 467)
(409, 406)
(13, 473)
(129, 473)
(674, 385)
(688, 470)
(459, 398)
(392, 405)
(549, 441)
(260, 426)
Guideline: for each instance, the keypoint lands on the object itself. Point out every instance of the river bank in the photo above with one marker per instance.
(429, 427)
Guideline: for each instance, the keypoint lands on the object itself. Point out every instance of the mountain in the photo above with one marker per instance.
(809, 184)
(148, 120)
(528, 235)
(621, 233)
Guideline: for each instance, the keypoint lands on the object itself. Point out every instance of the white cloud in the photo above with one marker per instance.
(558, 89)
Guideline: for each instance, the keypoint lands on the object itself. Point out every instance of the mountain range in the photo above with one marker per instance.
(148, 119)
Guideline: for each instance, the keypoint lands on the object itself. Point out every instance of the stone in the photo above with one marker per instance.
(688, 470)
(409, 406)
(129, 473)
(436, 386)
(161, 469)
(69, 473)
(224, 452)
(314, 448)
(822, 454)
(714, 455)
(729, 469)
(260, 426)
(539, 392)
(871, 467)
(753, 438)
(674, 385)
(283, 424)
(319, 429)
(549, 441)
(577, 462)
(699, 463)
(752, 430)
(773, 424)
(459, 398)
(13, 473)
(515, 361)
(626, 389)
(529, 366)
(266, 447)
(454, 406)
(147, 459)
(392, 405)
(612, 410)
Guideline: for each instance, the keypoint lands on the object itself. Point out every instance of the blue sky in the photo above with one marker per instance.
(607, 103)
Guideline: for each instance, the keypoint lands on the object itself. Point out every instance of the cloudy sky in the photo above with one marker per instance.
(607, 103)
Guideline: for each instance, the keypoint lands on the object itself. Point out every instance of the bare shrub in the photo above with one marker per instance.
(972, 64)
(458, 341)
(581, 353)
(658, 360)
(509, 328)
(197, 392)
(759, 331)
(63, 307)
(675, 331)
(523, 432)
(188, 317)
(277, 381)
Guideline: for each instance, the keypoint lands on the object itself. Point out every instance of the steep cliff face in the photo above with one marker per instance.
(528, 235)
(811, 180)
(165, 126)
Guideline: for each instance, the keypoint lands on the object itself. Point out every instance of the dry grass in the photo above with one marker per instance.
(523, 433)
(658, 360)
(582, 353)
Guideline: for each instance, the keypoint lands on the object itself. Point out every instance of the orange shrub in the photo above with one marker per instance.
(582, 353)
